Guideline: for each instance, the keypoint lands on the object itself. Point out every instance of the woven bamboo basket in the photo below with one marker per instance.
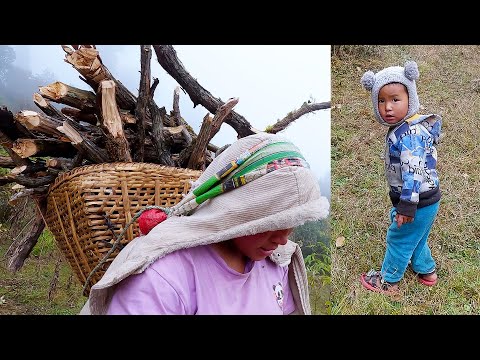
(88, 204)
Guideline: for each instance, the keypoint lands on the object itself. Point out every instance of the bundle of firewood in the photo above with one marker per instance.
(110, 124)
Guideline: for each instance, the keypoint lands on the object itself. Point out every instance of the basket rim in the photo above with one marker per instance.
(117, 166)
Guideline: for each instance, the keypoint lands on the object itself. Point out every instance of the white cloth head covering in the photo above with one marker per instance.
(281, 199)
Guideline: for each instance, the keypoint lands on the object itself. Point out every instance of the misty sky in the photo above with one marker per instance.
(269, 80)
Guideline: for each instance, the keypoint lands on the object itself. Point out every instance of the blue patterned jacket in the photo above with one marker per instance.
(410, 163)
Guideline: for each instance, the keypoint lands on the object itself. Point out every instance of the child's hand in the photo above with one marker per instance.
(402, 219)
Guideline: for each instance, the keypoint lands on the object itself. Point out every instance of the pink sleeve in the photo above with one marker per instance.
(147, 293)
(289, 305)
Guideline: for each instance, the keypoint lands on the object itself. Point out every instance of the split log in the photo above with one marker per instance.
(39, 123)
(209, 129)
(79, 115)
(42, 147)
(60, 163)
(127, 117)
(11, 128)
(143, 98)
(117, 145)
(294, 115)
(91, 151)
(88, 63)
(167, 57)
(20, 249)
(163, 153)
(176, 107)
(27, 181)
(69, 95)
(47, 108)
(33, 167)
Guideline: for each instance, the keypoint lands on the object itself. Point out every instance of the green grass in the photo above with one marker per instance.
(27, 291)
(360, 203)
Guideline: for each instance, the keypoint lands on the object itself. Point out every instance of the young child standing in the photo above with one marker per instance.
(410, 166)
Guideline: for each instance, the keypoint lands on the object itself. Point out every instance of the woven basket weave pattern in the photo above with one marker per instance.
(81, 202)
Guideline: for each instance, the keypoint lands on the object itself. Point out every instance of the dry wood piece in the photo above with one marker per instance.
(117, 145)
(88, 63)
(209, 129)
(69, 95)
(42, 147)
(294, 115)
(60, 163)
(39, 123)
(47, 108)
(21, 248)
(91, 151)
(167, 57)
(79, 115)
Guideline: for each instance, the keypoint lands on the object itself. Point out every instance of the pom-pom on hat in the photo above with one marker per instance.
(395, 74)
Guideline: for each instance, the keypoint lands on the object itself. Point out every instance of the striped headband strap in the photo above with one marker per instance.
(257, 161)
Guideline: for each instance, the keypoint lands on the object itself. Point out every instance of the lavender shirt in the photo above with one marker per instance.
(198, 281)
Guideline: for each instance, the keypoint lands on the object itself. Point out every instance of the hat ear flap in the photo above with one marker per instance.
(367, 80)
(411, 70)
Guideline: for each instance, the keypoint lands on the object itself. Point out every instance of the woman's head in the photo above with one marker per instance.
(394, 79)
(259, 246)
(281, 193)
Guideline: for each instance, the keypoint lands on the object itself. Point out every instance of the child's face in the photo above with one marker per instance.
(393, 102)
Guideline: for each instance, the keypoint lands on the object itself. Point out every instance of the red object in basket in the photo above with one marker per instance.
(149, 219)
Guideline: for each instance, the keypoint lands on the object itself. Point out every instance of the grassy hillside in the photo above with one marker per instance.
(448, 85)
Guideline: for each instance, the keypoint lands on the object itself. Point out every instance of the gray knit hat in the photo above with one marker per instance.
(394, 74)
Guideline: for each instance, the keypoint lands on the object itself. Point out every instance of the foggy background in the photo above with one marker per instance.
(269, 80)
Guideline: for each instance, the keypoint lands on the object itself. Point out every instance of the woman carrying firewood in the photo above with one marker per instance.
(224, 248)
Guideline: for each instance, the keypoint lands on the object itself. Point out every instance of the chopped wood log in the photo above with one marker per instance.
(176, 107)
(42, 147)
(167, 57)
(20, 249)
(117, 145)
(29, 192)
(47, 108)
(143, 98)
(31, 168)
(80, 115)
(90, 150)
(294, 115)
(6, 162)
(27, 181)
(88, 63)
(209, 129)
(127, 117)
(11, 128)
(60, 163)
(40, 123)
(163, 153)
(69, 95)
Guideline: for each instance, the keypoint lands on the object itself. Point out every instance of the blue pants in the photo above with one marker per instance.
(409, 242)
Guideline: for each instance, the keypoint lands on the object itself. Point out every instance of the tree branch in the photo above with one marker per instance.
(295, 114)
(167, 57)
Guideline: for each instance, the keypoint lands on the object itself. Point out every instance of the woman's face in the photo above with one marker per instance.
(259, 246)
